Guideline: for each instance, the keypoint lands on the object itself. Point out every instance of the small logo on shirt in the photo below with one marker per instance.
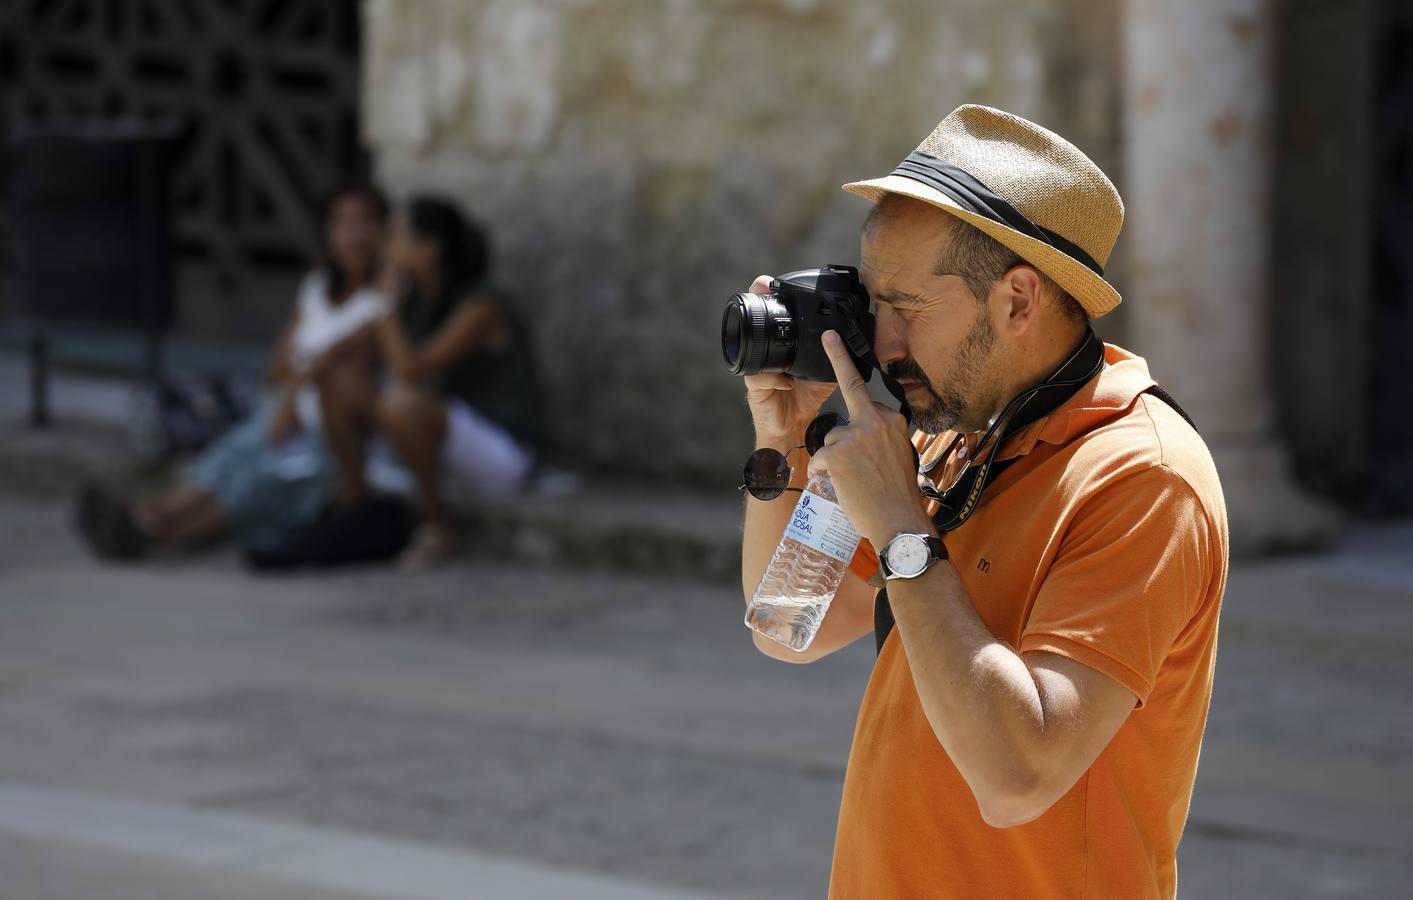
(983, 565)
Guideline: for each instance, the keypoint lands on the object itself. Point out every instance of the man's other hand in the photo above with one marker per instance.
(782, 406)
(870, 461)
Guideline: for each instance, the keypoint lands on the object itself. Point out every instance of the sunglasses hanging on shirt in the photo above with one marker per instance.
(768, 471)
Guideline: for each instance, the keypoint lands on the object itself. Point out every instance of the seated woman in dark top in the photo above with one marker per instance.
(460, 403)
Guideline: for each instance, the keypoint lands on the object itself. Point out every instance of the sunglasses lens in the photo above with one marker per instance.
(767, 474)
(821, 426)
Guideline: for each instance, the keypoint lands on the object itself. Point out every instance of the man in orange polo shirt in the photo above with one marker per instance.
(1033, 722)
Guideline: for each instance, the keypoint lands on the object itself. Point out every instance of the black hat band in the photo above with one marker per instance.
(975, 197)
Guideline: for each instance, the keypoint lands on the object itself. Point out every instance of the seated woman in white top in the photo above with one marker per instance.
(273, 469)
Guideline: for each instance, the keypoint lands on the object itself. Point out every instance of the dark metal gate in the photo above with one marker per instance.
(263, 94)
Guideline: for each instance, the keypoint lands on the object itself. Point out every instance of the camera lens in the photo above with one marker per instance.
(731, 334)
(757, 335)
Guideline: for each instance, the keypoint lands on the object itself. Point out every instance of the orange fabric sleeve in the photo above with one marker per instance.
(1132, 569)
(865, 561)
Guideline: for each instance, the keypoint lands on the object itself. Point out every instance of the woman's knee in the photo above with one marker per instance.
(405, 409)
(346, 390)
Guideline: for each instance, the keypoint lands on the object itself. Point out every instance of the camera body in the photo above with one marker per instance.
(782, 331)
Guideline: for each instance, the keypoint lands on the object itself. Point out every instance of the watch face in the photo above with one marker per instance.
(908, 555)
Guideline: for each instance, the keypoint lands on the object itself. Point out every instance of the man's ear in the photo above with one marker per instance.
(1023, 289)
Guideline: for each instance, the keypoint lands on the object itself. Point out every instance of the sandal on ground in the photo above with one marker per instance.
(107, 525)
(431, 545)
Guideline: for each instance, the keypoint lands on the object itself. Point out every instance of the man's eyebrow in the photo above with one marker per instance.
(893, 296)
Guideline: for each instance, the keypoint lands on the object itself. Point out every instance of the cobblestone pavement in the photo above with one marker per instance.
(618, 725)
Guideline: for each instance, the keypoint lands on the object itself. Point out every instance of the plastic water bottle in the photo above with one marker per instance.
(806, 570)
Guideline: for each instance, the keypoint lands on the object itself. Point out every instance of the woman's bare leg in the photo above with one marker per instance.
(184, 516)
(347, 398)
(415, 423)
(177, 502)
(201, 522)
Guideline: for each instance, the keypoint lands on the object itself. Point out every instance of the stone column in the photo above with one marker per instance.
(1197, 104)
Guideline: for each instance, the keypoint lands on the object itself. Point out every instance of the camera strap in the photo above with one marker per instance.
(957, 503)
(861, 345)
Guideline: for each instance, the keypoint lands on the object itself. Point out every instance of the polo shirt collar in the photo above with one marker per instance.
(1116, 387)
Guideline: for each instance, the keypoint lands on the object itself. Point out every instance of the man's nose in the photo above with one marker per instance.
(888, 343)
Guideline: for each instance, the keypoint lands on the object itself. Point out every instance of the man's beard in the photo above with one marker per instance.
(948, 407)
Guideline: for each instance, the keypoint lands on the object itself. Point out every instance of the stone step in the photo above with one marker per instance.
(603, 527)
(601, 524)
(622, 529)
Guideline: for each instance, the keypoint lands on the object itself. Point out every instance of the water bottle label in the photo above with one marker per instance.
(821, 525)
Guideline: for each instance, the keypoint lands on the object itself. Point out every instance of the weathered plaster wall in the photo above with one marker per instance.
(640, 160)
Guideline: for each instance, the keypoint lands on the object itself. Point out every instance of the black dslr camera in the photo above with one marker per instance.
(781, 331)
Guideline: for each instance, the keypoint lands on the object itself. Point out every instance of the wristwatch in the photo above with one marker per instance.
(909, 555)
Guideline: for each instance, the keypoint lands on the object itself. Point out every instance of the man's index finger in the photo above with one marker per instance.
(851, 383)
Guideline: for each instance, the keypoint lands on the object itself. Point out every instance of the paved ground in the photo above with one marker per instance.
(531, 724)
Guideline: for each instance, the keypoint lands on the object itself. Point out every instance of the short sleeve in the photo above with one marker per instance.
(1132, 569)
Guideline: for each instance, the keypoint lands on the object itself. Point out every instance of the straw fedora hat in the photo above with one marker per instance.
(1027, 187)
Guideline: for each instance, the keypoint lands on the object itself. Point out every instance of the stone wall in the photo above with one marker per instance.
(641, 160)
